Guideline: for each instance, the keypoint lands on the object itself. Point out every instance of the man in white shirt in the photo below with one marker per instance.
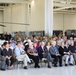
(20, 54)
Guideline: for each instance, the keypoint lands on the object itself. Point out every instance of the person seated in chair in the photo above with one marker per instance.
(63, 50)
(2, 61)
(7, 53)
(43, 53)
(72, 51)
(33, 54)
(20, 54)
(55, 54)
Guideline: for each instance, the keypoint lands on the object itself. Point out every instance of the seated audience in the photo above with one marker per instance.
(48, 45)
(75, 42)
(72, 50)
(68, 57)
(36, 45)
(20, 54)
(61, 47)
(26, 45)
(43, 53)
(55, 54)
(2, 61)
(7, 53)
(12, 43)
(63, 50)
(33, 54)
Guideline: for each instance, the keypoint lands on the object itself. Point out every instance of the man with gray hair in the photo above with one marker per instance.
(55, 54)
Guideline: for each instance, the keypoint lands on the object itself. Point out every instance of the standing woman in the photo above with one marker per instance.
(7, 53)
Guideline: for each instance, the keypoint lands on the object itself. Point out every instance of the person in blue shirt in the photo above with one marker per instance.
(21, 54)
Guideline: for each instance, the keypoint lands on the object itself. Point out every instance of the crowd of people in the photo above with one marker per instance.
(58, 51)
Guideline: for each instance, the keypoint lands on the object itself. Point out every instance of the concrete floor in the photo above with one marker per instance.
(70, 70)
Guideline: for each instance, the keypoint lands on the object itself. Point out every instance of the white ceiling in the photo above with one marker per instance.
(65, 6)
(58, 5)
(6, 3)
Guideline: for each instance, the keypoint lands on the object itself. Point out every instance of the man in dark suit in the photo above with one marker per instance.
(43, 53)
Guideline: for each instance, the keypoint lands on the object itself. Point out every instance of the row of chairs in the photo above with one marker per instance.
(44, 60)
(20, 62)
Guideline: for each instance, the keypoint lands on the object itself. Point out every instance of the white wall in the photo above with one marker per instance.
(64, 21)
(7, 18)
(58, 22)
(1, 20)
(20, 14)
(16, 14)
(37, 15)
(69, 21)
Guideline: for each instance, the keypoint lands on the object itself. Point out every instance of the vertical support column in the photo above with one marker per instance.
(48, 17)
(26, 12)
(11, 18)
(27, 20)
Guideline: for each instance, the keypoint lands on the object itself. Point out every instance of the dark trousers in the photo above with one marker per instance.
(35, 59)
(56, 58)
(48, 56)
(74, 55)
(3, 62)
(9, 62)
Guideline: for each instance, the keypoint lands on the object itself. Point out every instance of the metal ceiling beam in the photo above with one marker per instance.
(14, 23)
(14, 1)
(1, 9)
(65, 11)
(63, 6)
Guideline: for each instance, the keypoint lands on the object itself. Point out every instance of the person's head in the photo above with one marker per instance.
(26, 38)
(19, 43)
(2, 46)
(59, 38)
(72, 43)
(19, 39)
(39, 43)
(71, 38)
(6, 44)
(62, 43)
(75, 39)
(53, 43)
(43, 43)
(31, 46)
(11, 40)
(65, 38)
(48, 44)
(35, 44)
(65, 43)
